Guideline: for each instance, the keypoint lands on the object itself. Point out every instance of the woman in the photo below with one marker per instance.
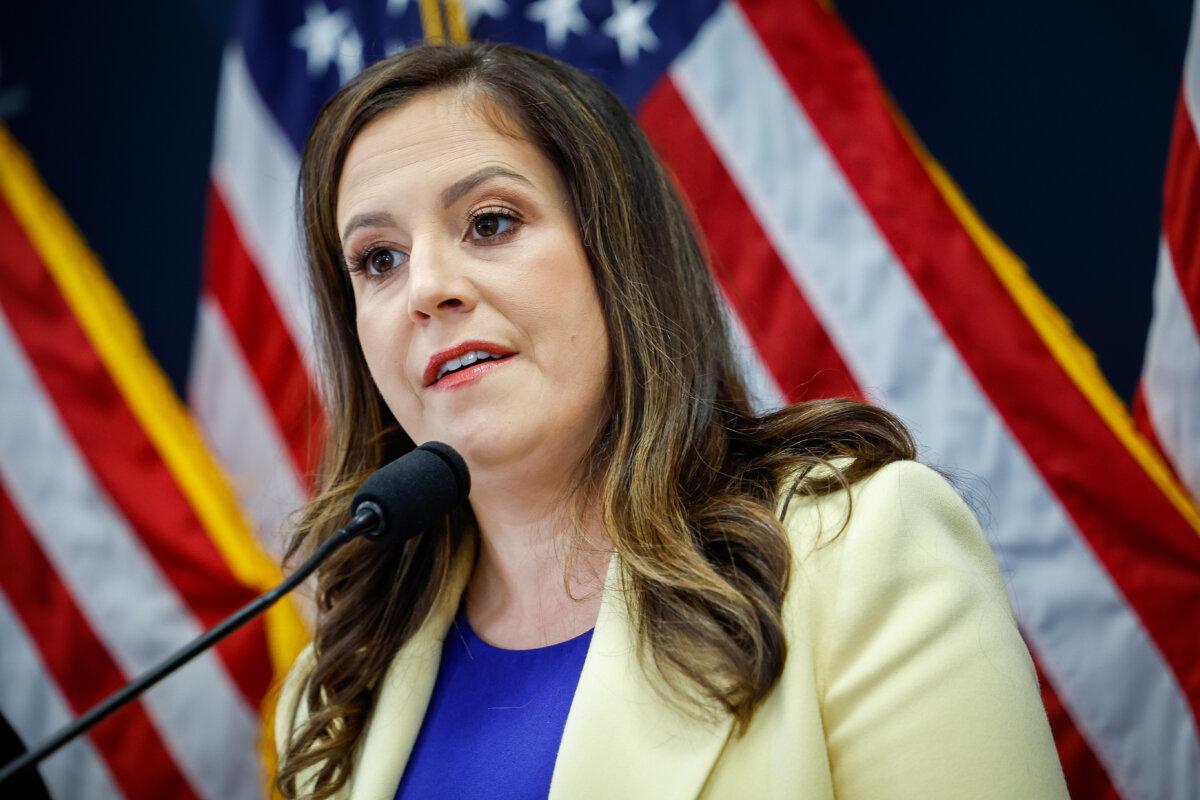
(653, 592)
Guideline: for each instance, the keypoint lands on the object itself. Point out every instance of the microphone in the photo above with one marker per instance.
(413, 491)
(397, 502)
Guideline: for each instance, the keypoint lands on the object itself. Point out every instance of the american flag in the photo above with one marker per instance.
(850, 263)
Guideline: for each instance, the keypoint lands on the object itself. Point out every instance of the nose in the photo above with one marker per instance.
(438, 285)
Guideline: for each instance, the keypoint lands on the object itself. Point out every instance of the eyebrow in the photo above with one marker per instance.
(371, 219)
(450, 195)
(456, 190)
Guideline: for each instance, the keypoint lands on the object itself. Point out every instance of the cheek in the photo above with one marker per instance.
(587, 355)
(383, 347)
(594, 342)
(586, 329)
(371, 339)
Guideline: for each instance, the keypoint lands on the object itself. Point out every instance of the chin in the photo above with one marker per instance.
(484, 445)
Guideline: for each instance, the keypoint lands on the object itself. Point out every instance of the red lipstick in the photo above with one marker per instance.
(468, 373)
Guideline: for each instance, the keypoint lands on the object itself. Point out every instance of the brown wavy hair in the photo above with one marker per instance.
(685, 473)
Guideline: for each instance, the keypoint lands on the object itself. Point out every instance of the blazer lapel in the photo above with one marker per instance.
(623, 738)
(404, 694)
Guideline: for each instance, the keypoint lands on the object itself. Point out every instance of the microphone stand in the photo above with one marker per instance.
(368, 521)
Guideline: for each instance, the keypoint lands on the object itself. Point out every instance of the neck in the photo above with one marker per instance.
(539, 578)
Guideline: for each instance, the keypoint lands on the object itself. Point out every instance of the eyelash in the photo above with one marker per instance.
(495, 211)
(357, 262)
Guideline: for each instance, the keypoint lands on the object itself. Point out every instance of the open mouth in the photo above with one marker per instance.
(466, 361)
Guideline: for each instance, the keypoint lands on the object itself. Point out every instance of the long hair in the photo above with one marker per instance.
(684, 473)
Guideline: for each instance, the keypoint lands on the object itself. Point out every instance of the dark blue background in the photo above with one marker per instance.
(1053, 118)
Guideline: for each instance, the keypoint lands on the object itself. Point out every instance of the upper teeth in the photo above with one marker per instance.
(465, 360)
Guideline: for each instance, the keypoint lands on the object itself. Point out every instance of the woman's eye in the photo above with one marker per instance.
(382, 260)
(491, 224)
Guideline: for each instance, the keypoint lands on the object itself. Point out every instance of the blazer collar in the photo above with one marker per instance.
(405, 691)
(624, 736)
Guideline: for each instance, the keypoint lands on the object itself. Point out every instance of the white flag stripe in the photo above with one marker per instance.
(36, 709)
(239, 428)
(1171, 373)
(1086, 636)
(256, 170)
(764, 391)
(129, 603)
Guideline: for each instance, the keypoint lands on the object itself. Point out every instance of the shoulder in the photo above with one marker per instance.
(895, 486)
(897, 554)
(291, 709)
(902, 507)
(903, 611)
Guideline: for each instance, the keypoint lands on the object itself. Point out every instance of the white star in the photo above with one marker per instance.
(349, 54)
(630, 27)
(477, 8)
(397, 6)
(394, 46)
(560, 18)
(320, 37)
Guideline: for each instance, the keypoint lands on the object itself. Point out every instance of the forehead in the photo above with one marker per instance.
(410, 153)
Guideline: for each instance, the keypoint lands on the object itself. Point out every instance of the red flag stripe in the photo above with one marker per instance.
(682, 144)
(1181, 208)
(80, 664)
(255, 168)
(1141, 418)
(1085, 775)
(782, 325)
(121, 457)
(1181, 232)
(240, 428)
(1065, 437)
(234, 279)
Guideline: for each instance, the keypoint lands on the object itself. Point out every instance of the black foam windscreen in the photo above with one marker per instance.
(416, 489)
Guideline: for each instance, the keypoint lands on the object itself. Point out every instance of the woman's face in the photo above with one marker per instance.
(476, 308)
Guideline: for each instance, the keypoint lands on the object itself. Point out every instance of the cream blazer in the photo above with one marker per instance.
(906, 677)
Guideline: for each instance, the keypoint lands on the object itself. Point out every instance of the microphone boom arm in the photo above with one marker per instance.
(368, 521)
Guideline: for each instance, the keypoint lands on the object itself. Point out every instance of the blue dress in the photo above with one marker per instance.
(495, 719)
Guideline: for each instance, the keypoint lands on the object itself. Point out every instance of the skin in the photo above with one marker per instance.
(429, 276)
